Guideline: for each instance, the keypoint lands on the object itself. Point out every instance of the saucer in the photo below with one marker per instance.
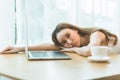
(105, 59)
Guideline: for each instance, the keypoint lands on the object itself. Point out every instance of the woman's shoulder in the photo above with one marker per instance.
(97, 37)
(98, 34)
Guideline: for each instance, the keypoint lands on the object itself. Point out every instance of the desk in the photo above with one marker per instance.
(79, 68)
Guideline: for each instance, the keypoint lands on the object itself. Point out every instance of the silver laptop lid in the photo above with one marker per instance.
(26, 37)
(26, 30)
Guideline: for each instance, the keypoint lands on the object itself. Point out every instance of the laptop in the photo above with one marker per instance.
(43, 55)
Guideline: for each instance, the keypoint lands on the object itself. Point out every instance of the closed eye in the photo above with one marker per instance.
(63, 42)
(67, 35)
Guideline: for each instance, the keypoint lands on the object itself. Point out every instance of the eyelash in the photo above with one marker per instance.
(64, 42)
(68, 35)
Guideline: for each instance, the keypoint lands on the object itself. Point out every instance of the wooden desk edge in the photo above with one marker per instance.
(11, 77)
(113, 77)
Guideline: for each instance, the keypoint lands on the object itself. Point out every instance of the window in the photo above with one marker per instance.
(42, 18)
(7, 23)
(44, 15)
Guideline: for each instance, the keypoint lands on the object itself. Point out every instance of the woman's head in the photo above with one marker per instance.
(66, 35)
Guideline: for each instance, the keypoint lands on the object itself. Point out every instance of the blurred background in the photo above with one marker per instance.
(42, 16)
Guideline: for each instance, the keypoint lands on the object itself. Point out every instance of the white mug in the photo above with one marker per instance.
(99, 51)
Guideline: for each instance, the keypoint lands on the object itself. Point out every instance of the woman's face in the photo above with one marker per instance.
(69, 38)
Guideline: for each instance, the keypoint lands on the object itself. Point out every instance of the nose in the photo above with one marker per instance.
(69, 41)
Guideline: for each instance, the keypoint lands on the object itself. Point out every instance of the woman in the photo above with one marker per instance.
(68, 37)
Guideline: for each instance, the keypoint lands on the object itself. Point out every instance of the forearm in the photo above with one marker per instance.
(40, 47)
(83, 51)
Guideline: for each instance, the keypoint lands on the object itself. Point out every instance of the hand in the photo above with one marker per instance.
(10, 50)
(84, 51)
(74, 49)
(69, 49)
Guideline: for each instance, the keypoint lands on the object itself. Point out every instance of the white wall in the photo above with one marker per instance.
(7, 22)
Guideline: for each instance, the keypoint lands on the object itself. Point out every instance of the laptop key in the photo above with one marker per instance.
(39, 54)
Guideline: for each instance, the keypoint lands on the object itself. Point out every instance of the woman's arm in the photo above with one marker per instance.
(11, 49)
(44, 46)
(96, 39)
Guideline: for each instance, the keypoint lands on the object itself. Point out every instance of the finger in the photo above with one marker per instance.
(62, 47)
(8, 52)
(6, 49)
(67, 50)
(0, 52)
(5, 52)
(64, 51)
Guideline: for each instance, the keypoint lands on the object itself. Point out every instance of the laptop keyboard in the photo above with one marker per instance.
(39, 53)
(45, 54)
(59, 54)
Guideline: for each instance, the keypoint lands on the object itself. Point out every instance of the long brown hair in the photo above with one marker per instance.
(82, 32)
